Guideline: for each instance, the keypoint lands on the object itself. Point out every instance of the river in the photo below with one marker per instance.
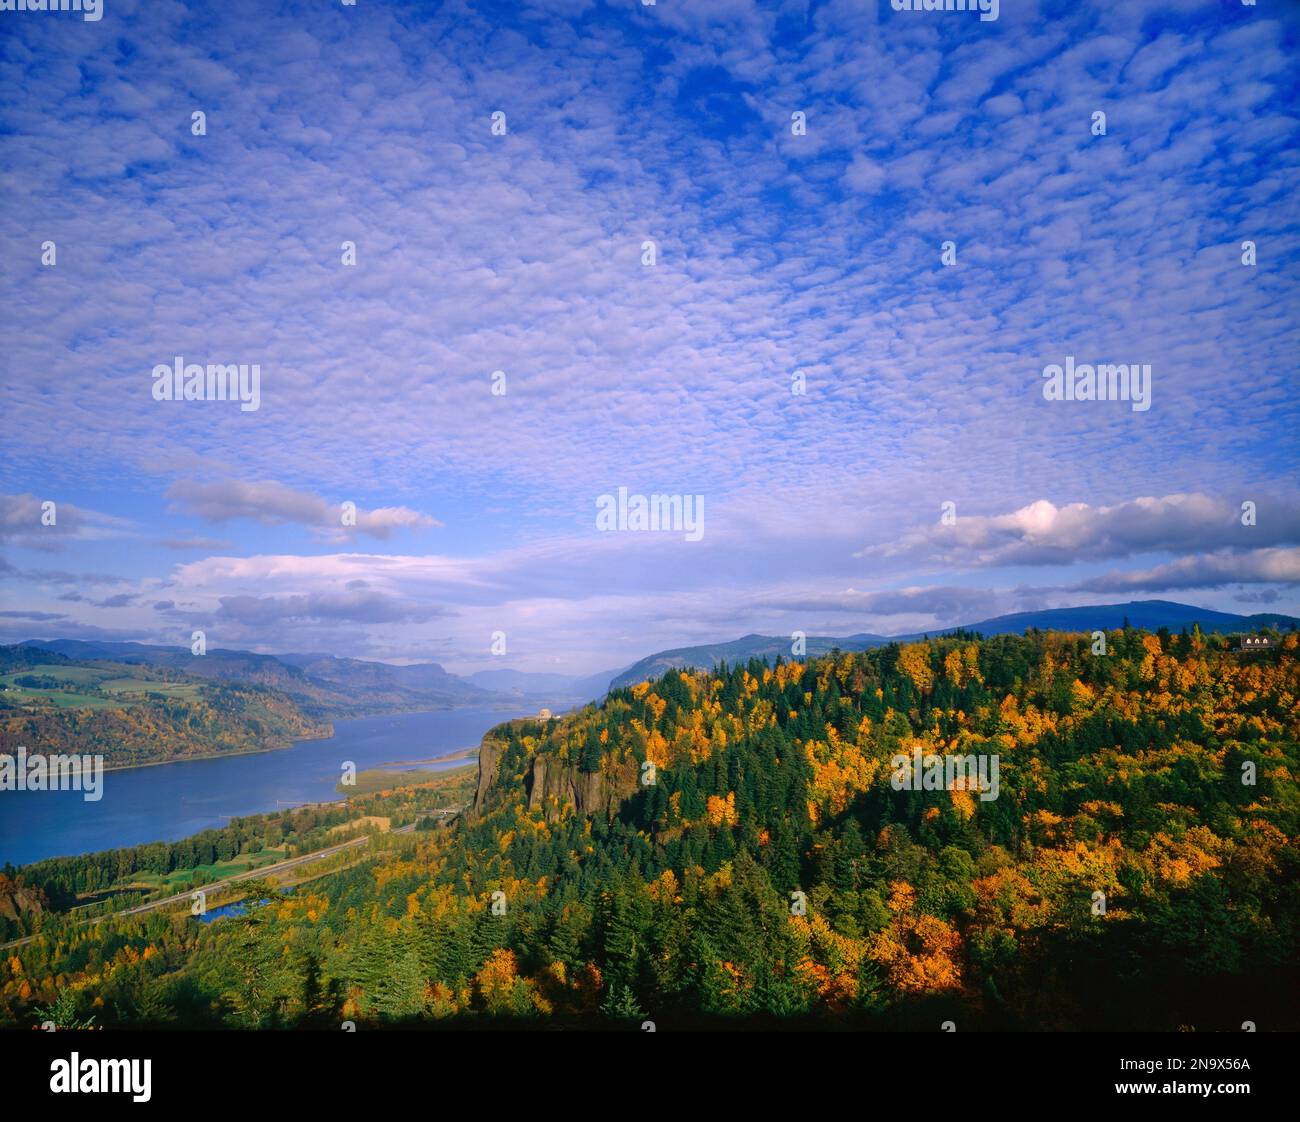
(167, 802)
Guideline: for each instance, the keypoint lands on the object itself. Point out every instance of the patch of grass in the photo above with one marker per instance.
(60, 700)
(218, 870)
(142, 686)
(72, 675)
(384, 779)
(115, 686)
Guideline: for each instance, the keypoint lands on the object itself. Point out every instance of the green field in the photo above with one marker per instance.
(139, 686)
(218, 870)
(385, 779)
(75, 675)
(109, 686)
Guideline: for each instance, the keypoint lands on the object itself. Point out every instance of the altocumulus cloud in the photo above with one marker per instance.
(271, 503)
(21, 522)
(1044, 534)
(940, 602)
(355, 607)
(1213, 570)
(777, 252)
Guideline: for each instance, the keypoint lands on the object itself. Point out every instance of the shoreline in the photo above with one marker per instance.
(170, 829)
(221, 755)
(409, 765)
(174, 824)
(304, 740)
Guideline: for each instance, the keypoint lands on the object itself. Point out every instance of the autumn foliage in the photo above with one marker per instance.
(1138, 868)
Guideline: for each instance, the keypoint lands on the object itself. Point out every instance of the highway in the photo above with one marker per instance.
(265, 871)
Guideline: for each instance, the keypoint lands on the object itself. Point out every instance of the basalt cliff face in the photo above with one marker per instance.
(549, 782)
(489, 757)
(18, 900)
(552, 785)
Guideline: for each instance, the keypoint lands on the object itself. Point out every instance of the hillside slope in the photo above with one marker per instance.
(324, 686)
(135, 714)
(1148, 614)
(736, 847)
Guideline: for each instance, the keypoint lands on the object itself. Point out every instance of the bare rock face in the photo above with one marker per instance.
(19, 899)
(553, 785)
(489, 756)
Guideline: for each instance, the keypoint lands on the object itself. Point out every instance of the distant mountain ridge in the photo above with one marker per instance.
(139, 712)
(554, 687)
(708, 655)
(1148, 615)
(330, 686)
(322, 685)
(520, 681)
(326, 686)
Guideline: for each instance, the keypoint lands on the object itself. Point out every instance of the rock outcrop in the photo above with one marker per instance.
(489, 756)
(18, 899)
(553, 784)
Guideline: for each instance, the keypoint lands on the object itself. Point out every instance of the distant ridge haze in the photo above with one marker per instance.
(324, 683)
(1145, 614)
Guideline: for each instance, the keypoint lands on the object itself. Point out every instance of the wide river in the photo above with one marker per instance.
(167, 802)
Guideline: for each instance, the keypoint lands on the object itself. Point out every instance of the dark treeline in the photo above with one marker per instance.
(300, 830)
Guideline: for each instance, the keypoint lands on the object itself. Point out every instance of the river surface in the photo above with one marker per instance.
(168, 802)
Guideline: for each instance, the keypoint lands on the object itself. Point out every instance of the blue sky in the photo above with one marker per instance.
(776, 253)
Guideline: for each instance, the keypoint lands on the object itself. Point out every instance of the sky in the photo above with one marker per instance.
(872, 231)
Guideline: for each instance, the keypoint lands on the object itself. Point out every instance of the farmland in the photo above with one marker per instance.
(105, 685)
(134, 714)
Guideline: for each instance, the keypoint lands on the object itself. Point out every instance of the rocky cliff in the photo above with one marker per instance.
(553, 784)
(550, 782)
(489, 756)
(18, 900)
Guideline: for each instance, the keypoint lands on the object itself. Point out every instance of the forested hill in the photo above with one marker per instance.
(1151, 615)
(321, 685)
(136, 704)
(732, 845)
(135, 714)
